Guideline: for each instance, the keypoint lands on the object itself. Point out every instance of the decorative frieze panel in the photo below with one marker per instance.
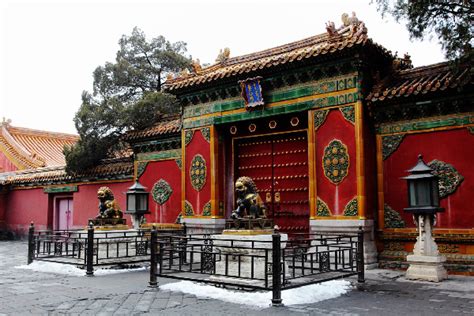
(161, 192)
(352, 208)
(197, 172)
(319, 118)
(62, 189)
(159, 145)
(162, 155)
(206, 211)
(448, 177)
(322, 209)
(424, 123)
(188, 209)
(390, 144)
(392, 219)
(336, 161)
(349, 113)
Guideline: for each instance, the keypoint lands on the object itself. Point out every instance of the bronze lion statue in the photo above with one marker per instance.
(108, 206)
(249, 203)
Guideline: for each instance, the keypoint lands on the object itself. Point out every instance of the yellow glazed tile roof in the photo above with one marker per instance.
(172, 125)
(351, 33)
(29, 148)
(108, 170)
(420, 81)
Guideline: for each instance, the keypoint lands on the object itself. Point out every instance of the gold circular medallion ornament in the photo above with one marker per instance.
(336, 161)
(252, 128)
(294, 121)
(272, 124)
(233, 130)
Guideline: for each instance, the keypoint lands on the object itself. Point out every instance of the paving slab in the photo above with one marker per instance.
(385, 292)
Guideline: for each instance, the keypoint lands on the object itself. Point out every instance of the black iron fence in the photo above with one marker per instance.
(91, 248)
(264, 262)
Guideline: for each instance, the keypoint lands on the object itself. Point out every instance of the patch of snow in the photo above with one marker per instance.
(303, 295)
(71, 270)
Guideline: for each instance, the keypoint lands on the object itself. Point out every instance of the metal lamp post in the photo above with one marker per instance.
(425, 263)
(137, 203)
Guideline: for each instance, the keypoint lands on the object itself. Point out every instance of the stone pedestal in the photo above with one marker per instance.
(204, 225)
(425, 263)
(350, 226)
(427, 268)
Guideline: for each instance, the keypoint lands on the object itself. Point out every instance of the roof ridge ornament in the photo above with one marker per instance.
(223, 56)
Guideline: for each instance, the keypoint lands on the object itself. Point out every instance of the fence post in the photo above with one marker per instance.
(154, 234)
(31, 243)
(360, 256)
(276, 268)
(160, 256)
(90, 251)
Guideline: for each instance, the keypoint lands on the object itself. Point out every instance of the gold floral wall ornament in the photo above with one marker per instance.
(336, 161)
(272, 124)
(392, 219)
(179, 162)
(206, 211)
(319, 118)
(390, 144)
(188, 209)
(197, 172)
(188, 136)
(348, 113)
(161, 191)
(352, 208)
(233, 129)
(141, 166)
(449, 179)
(206, 133)
(322, 209)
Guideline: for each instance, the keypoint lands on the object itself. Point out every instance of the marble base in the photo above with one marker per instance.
(349, 226)
(426, 268)
(204, 225)
(237, 249)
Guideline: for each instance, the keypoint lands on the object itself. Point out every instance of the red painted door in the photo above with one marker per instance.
(279, 166)
(64, 211)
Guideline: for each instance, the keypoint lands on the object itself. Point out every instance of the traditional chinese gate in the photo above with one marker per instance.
(279, 166)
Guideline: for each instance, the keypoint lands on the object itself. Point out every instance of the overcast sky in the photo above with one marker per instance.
(49, 49)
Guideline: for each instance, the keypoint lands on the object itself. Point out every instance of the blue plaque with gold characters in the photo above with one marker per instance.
(252, 93)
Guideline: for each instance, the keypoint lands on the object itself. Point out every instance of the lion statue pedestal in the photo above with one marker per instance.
(110, 216)
(245, 246)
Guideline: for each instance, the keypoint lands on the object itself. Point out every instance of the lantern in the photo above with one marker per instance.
(423, 191)
(137, 199)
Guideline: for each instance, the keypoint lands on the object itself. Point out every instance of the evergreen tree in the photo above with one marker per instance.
(451, 20)
(126, 95)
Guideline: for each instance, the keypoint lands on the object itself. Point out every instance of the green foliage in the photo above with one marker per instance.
(451, 20)
(126, 95)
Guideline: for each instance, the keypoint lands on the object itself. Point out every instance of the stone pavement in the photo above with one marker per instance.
(23, 292)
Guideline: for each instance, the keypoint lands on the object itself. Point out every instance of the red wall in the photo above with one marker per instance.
(169, 171)
(455, 147)
(198, 199)
(336, 197)
(86, 202)
(25, 206)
